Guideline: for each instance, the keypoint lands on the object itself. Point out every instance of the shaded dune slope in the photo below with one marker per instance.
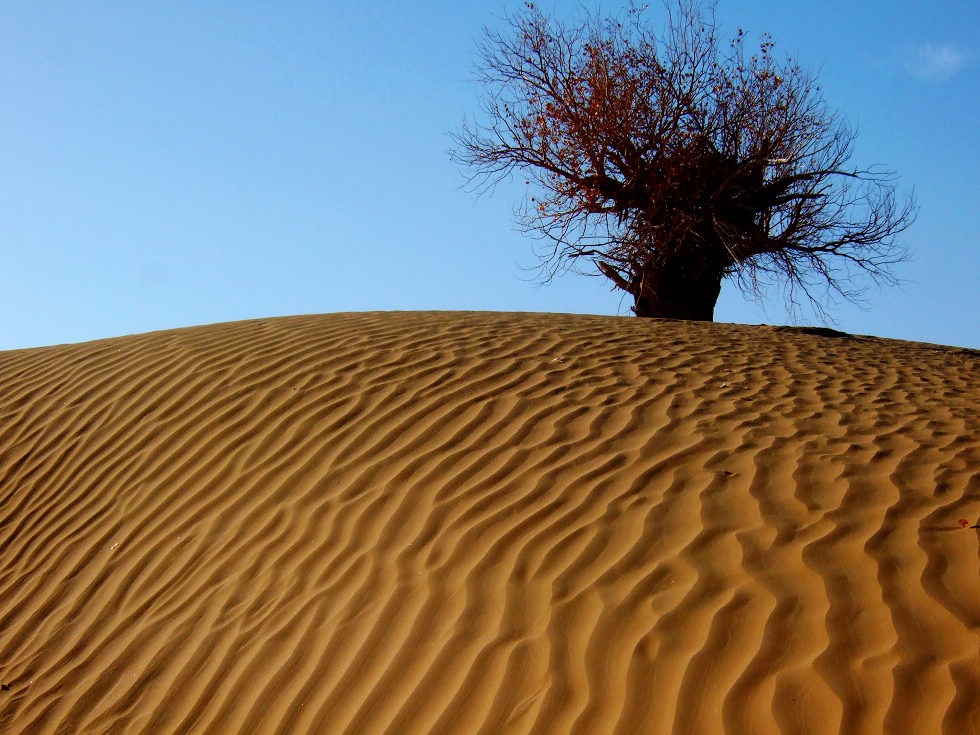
(489, 523)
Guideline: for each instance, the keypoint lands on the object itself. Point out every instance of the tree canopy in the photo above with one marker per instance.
(667, 162)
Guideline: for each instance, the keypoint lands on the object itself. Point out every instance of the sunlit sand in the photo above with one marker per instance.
(489, 523)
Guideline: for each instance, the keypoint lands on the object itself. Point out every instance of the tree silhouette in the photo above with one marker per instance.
(667, 162)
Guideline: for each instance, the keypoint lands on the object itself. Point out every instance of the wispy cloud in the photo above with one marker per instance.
(938, 61)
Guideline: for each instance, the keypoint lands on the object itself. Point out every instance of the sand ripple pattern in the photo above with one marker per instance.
(489, 523)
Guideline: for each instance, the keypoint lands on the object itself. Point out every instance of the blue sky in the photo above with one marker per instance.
(167, 164)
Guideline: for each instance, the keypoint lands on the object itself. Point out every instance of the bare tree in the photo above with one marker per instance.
(669, 162)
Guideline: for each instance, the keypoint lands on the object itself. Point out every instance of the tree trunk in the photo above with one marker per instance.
(678, 292)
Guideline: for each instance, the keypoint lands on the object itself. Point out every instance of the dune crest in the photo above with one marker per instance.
(489, 523)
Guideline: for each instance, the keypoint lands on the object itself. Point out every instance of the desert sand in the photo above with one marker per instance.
(490, 523)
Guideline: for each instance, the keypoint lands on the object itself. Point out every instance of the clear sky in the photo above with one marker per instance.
(167, 164)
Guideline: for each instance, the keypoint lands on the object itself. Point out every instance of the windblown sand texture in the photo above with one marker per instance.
(489, 523)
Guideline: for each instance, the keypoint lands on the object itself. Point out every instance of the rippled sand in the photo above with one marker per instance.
(489, 523)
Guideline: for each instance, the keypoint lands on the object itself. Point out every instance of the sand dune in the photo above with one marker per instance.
(489, 523)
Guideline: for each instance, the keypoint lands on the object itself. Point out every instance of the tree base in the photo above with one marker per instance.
(674, 296)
